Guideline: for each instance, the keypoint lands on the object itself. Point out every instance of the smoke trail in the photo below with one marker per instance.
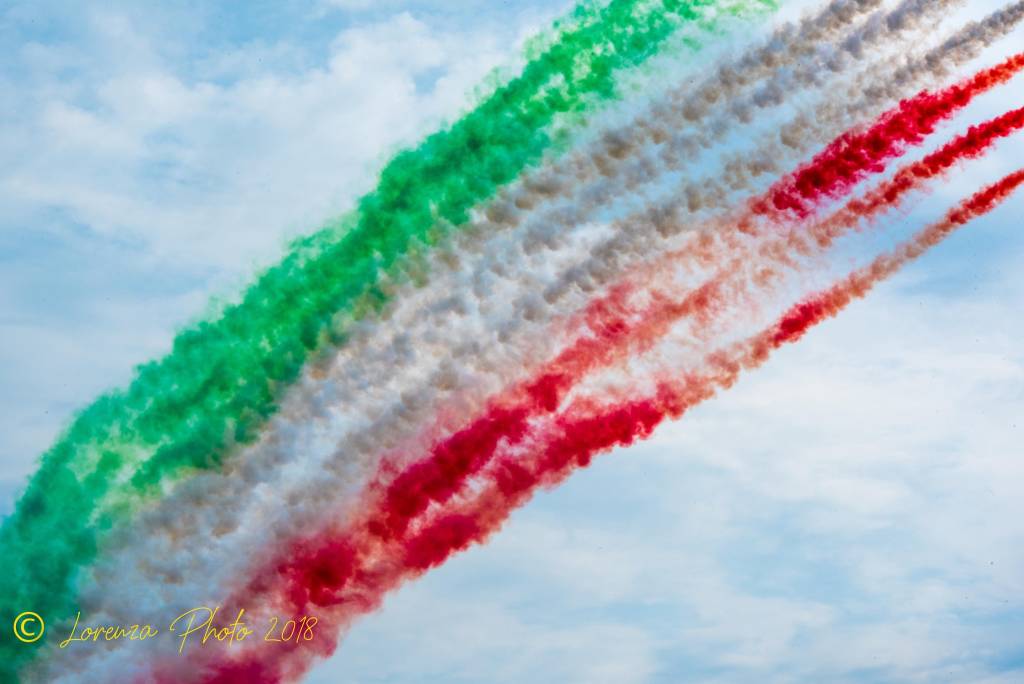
(348, 574)
(847, 160)
(328, 487)
(807, 46)
(972, 145)
(224, 377)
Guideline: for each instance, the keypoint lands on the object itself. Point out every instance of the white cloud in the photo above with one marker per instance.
(156, 157)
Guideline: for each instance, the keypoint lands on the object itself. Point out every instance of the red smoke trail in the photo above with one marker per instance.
(971, 145)
(855, 154)
(348, 574)
(820, 235)
(827, 304)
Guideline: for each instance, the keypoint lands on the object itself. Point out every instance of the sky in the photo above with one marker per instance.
(848, 513)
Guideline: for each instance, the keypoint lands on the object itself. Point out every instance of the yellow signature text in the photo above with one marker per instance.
(201, 619)
(108, 632)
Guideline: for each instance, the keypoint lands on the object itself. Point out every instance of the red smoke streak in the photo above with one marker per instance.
(350, 570)
(851, 157)
(971, 145)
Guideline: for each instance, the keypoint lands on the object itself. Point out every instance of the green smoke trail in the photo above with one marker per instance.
(224, 377)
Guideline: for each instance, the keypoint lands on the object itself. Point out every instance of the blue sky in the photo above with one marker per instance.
(851, 512)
